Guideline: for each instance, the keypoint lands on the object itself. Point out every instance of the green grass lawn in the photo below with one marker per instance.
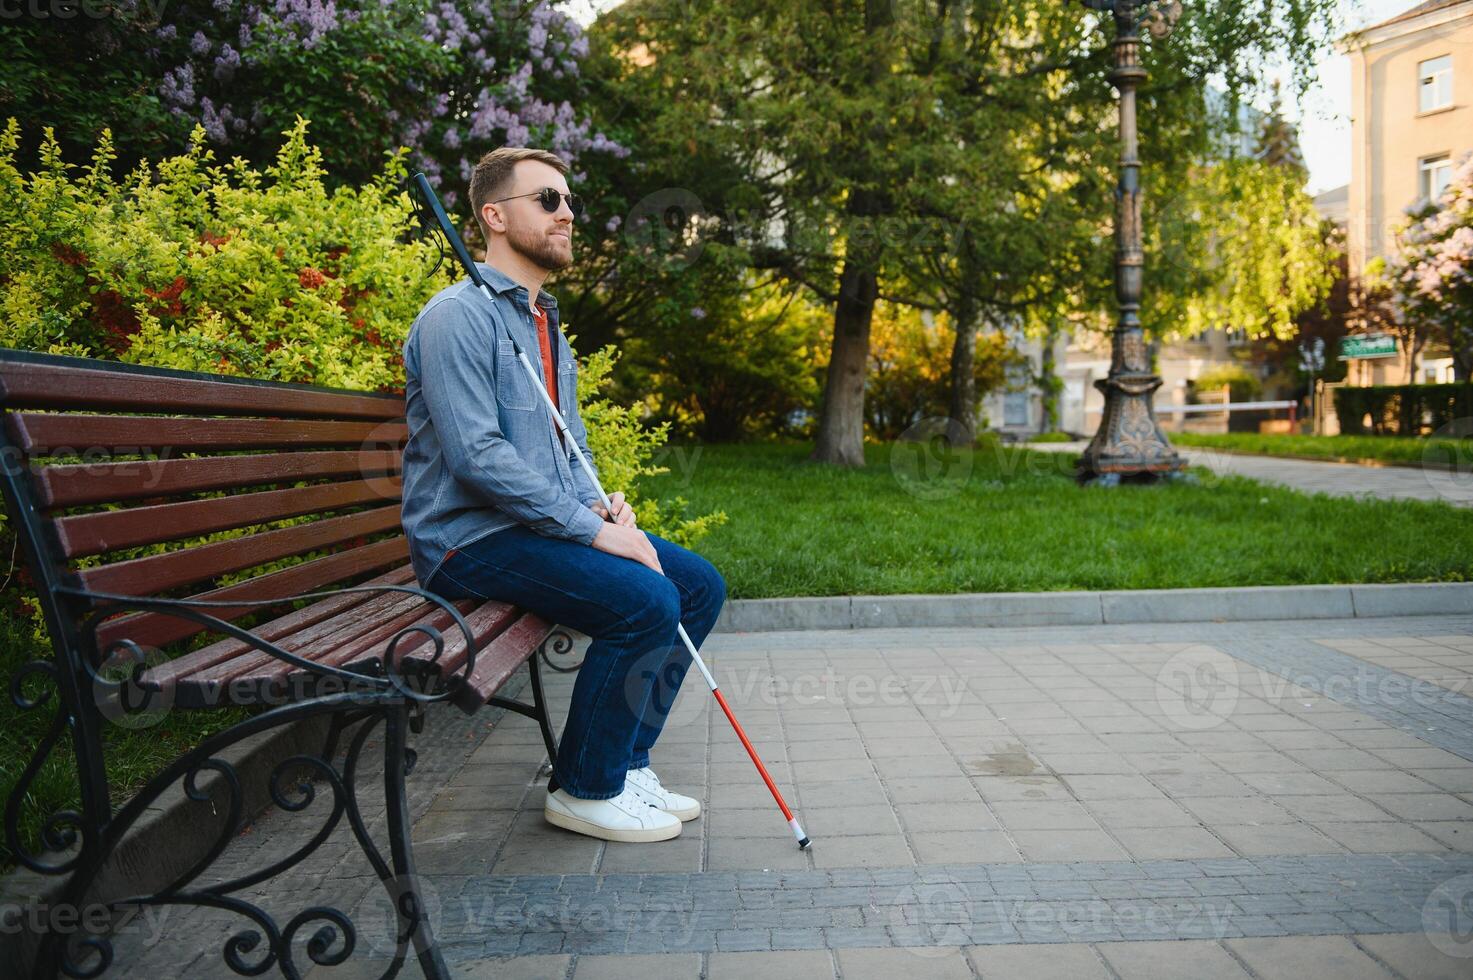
(1018, 522)
(1386, 449)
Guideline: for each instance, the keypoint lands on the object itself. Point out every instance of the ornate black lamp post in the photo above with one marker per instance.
(1129, 444)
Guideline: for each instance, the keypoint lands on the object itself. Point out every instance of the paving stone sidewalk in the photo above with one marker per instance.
(1312, 476)
(1261, 799)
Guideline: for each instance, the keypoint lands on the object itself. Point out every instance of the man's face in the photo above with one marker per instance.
(544, 238)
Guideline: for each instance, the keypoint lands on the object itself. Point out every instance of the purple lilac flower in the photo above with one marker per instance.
(211, 120)
(226, 63)
(177, 88)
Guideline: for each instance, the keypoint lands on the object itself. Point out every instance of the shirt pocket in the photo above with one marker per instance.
(513, 387)
(567, 386)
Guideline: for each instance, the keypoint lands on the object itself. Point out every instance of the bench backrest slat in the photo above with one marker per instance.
(94, 534)
(156, 629)
(77, 484)
(38, 381)
(145, 434)
(158, 573)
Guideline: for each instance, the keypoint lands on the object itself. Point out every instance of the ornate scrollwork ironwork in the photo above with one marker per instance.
(260, 945)
(561, 642)
(63, 830)
(392, 680)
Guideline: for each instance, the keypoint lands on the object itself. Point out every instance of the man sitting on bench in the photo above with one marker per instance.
(496, 507)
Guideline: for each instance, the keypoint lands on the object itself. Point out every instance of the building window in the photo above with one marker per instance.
(1015, 408)
(1435, 174)
(1435, 84)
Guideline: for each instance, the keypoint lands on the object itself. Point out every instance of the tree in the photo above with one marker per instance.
(1255, 252)
(849, 123)
(1278, 139)
(910, 367)
(1431, 271)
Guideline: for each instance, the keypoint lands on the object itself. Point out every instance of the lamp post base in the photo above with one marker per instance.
(1129, 446)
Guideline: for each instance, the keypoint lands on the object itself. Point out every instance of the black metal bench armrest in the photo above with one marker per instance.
(108, 603)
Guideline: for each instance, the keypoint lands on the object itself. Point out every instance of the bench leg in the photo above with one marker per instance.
(413, 917)
(539, 706)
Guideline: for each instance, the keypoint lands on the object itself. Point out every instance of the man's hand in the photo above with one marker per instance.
(623, 513)
(627, 542)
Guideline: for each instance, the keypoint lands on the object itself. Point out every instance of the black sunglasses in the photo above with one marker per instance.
(550, 198)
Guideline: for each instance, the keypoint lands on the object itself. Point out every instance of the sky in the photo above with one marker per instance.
(1323, 115)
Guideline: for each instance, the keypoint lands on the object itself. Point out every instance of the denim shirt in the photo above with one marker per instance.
(483, 453)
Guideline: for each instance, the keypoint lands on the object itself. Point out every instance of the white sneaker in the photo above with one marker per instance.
(628, 817)
(647, 784)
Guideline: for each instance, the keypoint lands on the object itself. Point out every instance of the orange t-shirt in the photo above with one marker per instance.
(544, 341)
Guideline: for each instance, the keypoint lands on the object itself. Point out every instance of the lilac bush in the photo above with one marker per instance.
(449, 79)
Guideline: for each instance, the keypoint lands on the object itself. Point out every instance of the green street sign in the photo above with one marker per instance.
(1371, 345)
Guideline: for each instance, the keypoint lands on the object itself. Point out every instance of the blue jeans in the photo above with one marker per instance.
(634, 666)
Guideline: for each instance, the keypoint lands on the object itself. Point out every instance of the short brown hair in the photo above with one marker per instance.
(493, 174)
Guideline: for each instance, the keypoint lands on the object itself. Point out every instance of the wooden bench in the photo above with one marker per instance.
(104, 462)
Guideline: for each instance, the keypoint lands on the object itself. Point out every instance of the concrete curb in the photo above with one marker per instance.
(1002, 609)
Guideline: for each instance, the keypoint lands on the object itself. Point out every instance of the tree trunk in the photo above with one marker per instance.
(841, 420)
(963, 369)
(1048, 379)
(840, 439)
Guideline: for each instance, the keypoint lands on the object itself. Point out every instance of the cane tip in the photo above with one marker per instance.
(803, 844)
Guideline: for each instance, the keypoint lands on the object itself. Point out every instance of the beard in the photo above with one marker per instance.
(540, 247)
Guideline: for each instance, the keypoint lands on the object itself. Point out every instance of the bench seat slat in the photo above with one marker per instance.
(292, 624)
(60, 386)
(500, 659)
(135, 434)
(359, 647)
(93, 534)
(76, 484)
(156, 629)
(254, 673)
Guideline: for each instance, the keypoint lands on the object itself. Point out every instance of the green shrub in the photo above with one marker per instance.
(1402, 410)
(208, 267)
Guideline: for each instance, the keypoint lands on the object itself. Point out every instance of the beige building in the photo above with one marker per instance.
(1411, 121)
